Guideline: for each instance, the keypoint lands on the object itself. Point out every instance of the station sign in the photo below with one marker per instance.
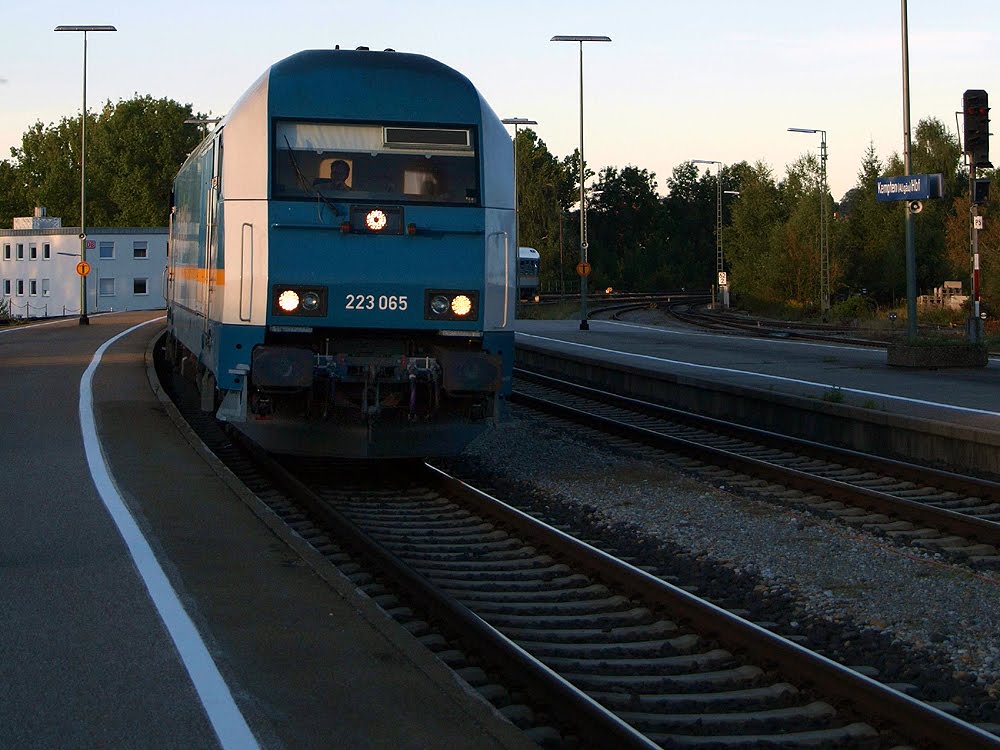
(583, 269)
(83, 268)
(912, 187)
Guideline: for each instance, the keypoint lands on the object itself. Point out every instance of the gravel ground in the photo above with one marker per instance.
(856, 597)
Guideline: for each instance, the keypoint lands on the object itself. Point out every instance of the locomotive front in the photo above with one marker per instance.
(377, 280)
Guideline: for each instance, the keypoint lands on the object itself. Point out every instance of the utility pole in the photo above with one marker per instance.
(976, 112)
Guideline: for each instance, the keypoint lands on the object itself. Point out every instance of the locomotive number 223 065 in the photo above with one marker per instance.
(375, 302)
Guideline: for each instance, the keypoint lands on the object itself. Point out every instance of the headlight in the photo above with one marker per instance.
(451, 304)
(288, 300)
(298, 300)
(310, 301)
(440, 304)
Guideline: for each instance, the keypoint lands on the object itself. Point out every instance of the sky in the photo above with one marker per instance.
(680, 80)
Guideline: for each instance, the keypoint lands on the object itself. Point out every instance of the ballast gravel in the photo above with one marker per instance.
(897, 611)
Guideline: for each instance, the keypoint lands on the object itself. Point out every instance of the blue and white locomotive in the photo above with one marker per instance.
(342, 274)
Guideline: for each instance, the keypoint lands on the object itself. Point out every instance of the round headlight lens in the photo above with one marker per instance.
(439, 305)
(376, 220)
(310, 301)
(461, 305)
(288, 300)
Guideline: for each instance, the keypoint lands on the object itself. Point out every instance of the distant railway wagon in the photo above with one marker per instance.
(528, 270)
(342, 277)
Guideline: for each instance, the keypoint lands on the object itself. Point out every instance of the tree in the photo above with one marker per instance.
(134, 149)
(12, 195)
(625, 246)
(544, 188)
(958, 241)
(140, 143)
(688, 230)
(753, 241)
(934, 151)
(871, 245)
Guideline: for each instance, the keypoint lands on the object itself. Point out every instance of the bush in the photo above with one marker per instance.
(854, 307)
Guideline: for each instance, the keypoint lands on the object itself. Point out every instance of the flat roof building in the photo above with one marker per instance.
(38, 268)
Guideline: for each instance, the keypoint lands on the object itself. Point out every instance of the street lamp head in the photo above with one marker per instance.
(85, 28)
(518, 121)
(580, 39)
(731, 192)
(705, 161)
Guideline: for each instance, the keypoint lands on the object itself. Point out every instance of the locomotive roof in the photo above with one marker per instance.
(371, 84)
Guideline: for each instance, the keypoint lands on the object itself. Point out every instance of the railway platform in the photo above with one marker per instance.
(147, 603)
(843, 394)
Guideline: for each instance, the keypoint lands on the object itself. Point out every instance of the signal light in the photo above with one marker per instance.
(981, 193)
(975, 105)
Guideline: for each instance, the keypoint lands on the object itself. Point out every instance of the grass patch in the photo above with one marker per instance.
(834, 396)
(567, 310)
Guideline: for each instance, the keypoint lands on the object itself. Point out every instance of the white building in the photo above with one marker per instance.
(38, 268)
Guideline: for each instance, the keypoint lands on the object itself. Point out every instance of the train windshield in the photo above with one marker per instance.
(375, 162)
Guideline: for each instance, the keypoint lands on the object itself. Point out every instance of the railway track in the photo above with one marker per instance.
(952, 514)
(582, 649)
(637, 661)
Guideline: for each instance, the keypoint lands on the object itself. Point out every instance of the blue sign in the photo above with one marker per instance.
(913, 187)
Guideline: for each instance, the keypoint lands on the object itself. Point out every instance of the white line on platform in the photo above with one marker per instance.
(227, 721)
(29, 326)
(750, 373)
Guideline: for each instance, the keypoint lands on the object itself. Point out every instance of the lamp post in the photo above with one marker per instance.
(583, 268)
(516, 122)
(84, 320)
(719, 268)
(824, 223)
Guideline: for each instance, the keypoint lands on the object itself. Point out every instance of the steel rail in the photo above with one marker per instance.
(907, 716)
(600, 725)
(982, 530)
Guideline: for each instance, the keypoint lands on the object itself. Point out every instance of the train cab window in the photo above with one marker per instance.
(374, 162)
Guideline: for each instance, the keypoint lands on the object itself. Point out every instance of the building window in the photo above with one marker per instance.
(6, 252)
(33, 287)
(32, 251)
(107, 250)
(106, 287)
(20, 251)
(46, 251)
(6, 287)
(45, 287)
(140, 286)
(139, 249)
(20, 287)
